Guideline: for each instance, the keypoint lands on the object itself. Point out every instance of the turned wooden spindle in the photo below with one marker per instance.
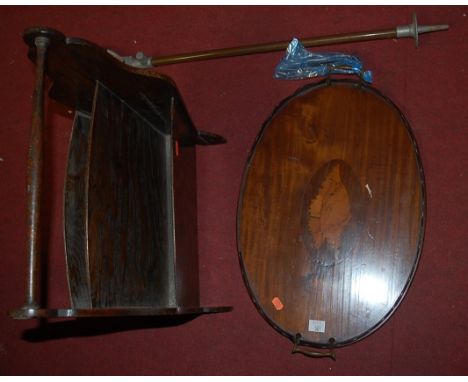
(34, 185)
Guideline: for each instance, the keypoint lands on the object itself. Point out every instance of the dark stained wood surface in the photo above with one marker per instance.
(129, 222)
(75, 64)
(331, 213)
(23, 314)
(75, 212)
(130, 215)
(184, 167)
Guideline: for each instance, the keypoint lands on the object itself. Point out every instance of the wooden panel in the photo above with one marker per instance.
(130, 240)
(75, 213)
(331, 215)
(185, 213)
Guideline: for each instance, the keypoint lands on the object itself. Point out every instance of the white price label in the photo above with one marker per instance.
(317, 326)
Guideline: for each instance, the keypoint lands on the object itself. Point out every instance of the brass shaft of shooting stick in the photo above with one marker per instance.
(272, 47)
(411, 30)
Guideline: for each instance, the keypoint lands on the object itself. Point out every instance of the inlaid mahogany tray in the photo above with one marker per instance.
(331, 214)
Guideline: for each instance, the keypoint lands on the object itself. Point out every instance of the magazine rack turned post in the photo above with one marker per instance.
(130, 214)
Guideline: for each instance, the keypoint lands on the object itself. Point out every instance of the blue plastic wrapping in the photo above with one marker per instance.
(299, 63)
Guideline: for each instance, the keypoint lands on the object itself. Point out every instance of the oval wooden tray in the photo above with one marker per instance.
(331, 214)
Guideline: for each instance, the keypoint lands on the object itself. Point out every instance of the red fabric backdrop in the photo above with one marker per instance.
(233, 97)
